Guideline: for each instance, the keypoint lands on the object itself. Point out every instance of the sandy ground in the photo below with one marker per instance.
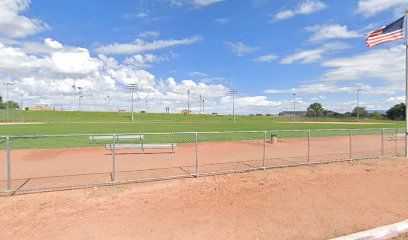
(340, 123)
(311, 202)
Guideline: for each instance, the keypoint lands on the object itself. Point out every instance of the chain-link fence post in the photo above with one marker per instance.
(382, 142)
(264, 151)
(350, 147)
(396, 142)
(113, 160)
(308, 146)
(8, 165)
(196, 154)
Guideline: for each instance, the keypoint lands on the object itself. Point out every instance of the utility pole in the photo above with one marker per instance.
(233, 92)
(294, 106)
(7, 100)
(132, 87)
(358, 104)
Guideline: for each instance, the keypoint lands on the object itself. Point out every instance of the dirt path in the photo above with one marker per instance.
(313, 202)
(340, 123)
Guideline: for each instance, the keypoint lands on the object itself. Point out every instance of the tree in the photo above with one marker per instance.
(9, 104)
(315, 110)
(361, 111)
(396, 112)
(376, 115)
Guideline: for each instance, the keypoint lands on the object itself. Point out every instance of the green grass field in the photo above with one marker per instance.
(112, 123)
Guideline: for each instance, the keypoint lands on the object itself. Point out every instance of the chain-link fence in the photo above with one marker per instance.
(30, 163)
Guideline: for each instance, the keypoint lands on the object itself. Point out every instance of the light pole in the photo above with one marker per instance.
(294, 106)
(107, 103)
(358, 104)
(81, 95)
(201, 103)
(132, 87)
(106, 106)
(21, 102)
(233, 92)
(73, 95)
(7, 100)
(188, 101)
(203, 107)
(146, 106)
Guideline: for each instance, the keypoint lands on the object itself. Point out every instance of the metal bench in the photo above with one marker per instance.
(142, 146)
(117, 137)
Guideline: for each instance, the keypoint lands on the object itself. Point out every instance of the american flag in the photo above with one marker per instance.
(392, 32)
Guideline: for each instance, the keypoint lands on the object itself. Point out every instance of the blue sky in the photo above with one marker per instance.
(266, 49)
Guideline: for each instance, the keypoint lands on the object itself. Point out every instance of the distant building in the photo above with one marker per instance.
(185, 111)
(41, 108)
(293, 113)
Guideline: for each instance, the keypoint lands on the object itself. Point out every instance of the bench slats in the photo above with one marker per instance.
(141, 146)
(118, 137)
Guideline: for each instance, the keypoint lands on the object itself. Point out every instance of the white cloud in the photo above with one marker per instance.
(194, 3)
(144, 61)
(266, 58)
(240, 49)
(140, 45)
(222, 21)
(78, 61)
(149, 34)
(395, 100)
(314, 55)
(305, 8)
(252, 101)
(52, 43)
(13, 58)
(371, 7)
(47, 78)
(318, 88)
(385, 64)
(326, 32)
(13, 24)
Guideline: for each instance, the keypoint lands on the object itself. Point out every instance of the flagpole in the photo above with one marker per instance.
(406, 84)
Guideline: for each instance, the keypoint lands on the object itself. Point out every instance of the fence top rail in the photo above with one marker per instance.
(214, 132)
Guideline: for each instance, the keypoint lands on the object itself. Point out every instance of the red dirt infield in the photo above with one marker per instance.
(309, 202)
(39, 168)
